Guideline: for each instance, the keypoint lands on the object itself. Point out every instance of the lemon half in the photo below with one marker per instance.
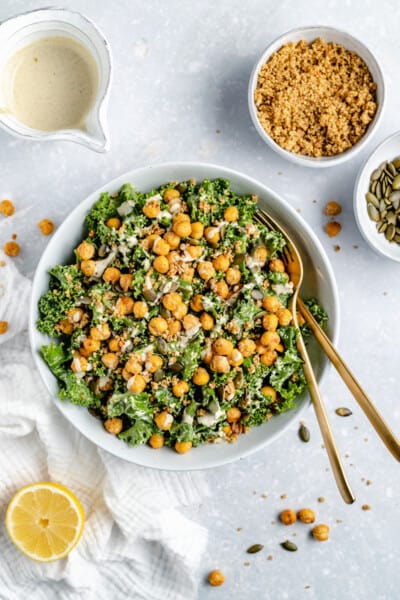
(45, 521)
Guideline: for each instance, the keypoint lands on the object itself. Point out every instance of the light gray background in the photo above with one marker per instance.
(181, 71)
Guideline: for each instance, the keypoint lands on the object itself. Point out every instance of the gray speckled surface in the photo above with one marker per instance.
(179, 92)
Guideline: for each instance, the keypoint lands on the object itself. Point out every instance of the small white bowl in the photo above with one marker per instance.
(386, 151)
(328, 34)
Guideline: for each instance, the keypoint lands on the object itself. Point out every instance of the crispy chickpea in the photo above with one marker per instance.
(88, 267)
(182, 228)
(110, 360)
(180, 311)
(171, 194)
(220, 364)
(235, 358)
(114, 345)
(196, 303)
(180, 388)
(197, 230)
(232, 276)
(111, 275)
(212, 235)
(157, 325)
(74, 315)
(161, 264)
(125, 305)
(267, 390)
(195, 251)
(85, 250)
(270, 322)
(270, 339)
(279, 348)
(113, 223)
(113, 425)
(65, 327)
(247, 347)
(156, 440)
(100, 332)
(174, 327)
(136, 384)
(271, 303)
(205, 270)
(233, 414)
(276, 265)
(11, 249)
(154, 363)
(90, 346)
(231, 214)
(288, 516)
(163, 420)
(190, 322)
(216, 578)
(207, 321)
(181, 217)
(172, 240)
(183, 447)
(268, 357)
(221, 289)
(306, 515)
(172, 300)
(149, 241)
(222, 346)
(125, 281)
(260, 255)
(321, 533)
(201, 376)
(7, 208)
(188, 274)
(207, 356)
(133, 365)
(79, 363)
(221, 262)
(46, 226)
(151, 209)
(140, 309)
(160, 247)
(3, 327)
(285, 316)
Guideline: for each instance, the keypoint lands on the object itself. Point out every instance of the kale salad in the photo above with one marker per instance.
(172, 321)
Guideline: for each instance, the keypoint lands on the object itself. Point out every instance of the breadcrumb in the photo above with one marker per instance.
(46, 226)
(332, 209)
(333, 228)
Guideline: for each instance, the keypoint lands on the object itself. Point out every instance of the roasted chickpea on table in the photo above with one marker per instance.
(173, 319)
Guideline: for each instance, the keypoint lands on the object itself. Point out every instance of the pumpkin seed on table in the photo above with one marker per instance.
(342, 411)
(396, 183)
(288, 545)
(254, 548)
(304, 433)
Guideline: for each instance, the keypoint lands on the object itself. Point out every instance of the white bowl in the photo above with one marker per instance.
(328, 34)
(386, 151)
(319, 281)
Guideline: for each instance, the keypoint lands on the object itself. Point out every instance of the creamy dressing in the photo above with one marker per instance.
(51, 84)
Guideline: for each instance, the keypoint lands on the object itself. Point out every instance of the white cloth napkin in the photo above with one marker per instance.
(135, 543)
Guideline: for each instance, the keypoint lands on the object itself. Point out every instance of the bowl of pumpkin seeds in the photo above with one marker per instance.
(377, 198)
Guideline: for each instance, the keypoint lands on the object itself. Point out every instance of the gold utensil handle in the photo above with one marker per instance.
(372, 413)
(327, 435)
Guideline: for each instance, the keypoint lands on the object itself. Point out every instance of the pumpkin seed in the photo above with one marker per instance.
(378, 190)
(381, 227)
(164, 312)
(149, 295)
(159, 375)
(388, 191)
(397, 238)
(383, 187)
(392, 169)
(254, 548)
(382, 205)
(395, 199)
(373, 212)
(383, 214)
(376, 174)
(162, 346)
(304, 433)
(370, 197)
(390, 233)
(373, 186)
(288, 545)
(177, 367)
(343, 411)
(396, 162)
(396, 183)
(391, 217)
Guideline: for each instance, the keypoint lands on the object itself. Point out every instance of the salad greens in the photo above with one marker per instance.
(172, 322)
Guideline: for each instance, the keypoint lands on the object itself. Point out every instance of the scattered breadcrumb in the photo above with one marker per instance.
(332, 208)
(3, 327)
(321, 499)
(270, 557)
(246, 564)
(2, 263)
(7, 208)
(283, 496)
(14, 236)
(315, 99)
(11, 248)
(366, 507)
(336, 248)
(333, 228)
(239, 528)
(217, 131)
(264, 496)
(355, 247)
(46, 226)
(339, 521)
(368, 482)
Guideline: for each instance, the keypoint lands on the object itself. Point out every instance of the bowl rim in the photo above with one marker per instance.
(359, 200)
(310, 161)
(86, 203)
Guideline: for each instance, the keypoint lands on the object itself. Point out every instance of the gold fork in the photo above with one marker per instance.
(294, 266)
